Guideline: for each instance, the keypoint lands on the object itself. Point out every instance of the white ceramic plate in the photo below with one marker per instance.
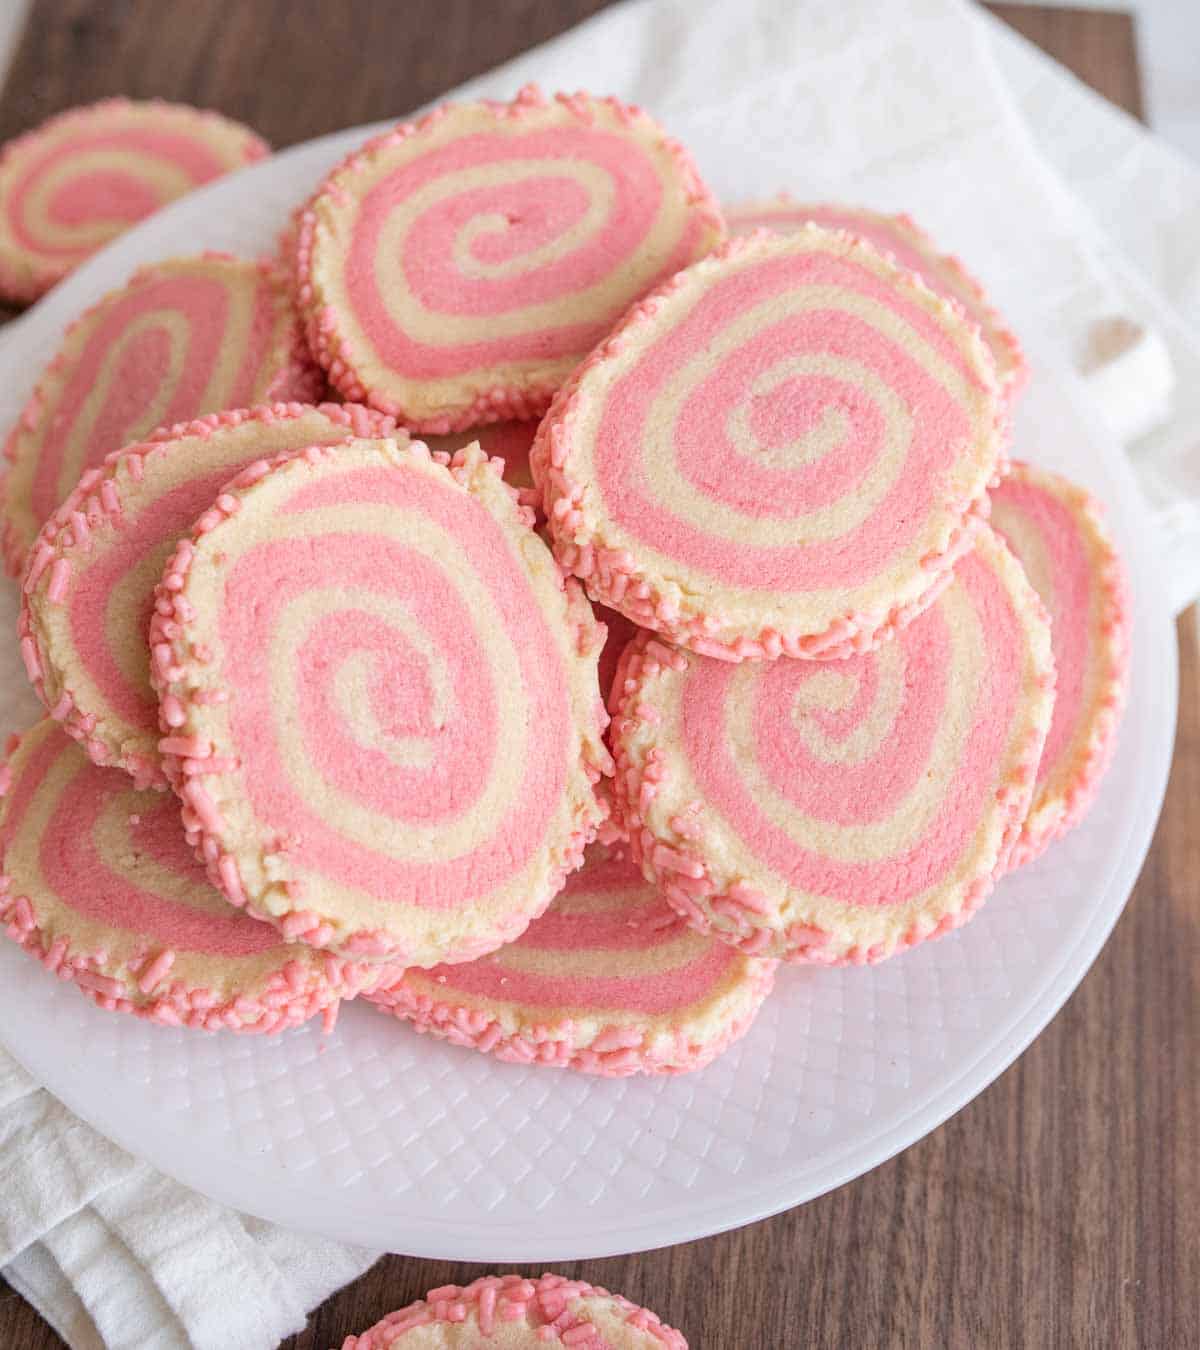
(384, 1138)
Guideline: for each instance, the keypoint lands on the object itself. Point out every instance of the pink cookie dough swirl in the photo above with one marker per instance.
(454, 270)
(182, 338)
(100, 886)
(88, 591)
(1059, 535)
(781, 452)
(907, 243)
(512, 1312)
(609, 981)
(71, 185)
(379, 701)
(840, 811)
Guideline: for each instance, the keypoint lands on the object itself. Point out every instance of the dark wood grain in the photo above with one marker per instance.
(1062, 1207)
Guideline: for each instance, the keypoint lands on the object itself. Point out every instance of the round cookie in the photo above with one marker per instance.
(1058, 533)
(512, 1312)
(381, 702)
(100, 886)
(89, 588)
(609, 980)
(839, 811)
(74, 183)
(902, 238)
(784, 450)
(508, 441)
(455, 270)
(182, 338)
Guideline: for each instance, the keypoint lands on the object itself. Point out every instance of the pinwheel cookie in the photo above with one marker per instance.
(839, 811)
(1058, 533)
(454, 270)
(902, 238)
(782, 451)
(512, 1312)
(80, 179)
(609, 980)
(182, 338)
(381, 702)
(89, 589)
(100, 886)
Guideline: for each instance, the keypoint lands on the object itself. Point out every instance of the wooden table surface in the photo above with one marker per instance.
(1062, 1207)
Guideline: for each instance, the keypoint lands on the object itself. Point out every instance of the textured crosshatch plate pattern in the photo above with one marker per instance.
(381, 1137)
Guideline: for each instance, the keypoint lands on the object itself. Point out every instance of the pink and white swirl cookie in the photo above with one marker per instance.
(511, 1312)
(1058, 532)
(454, 270)
(89, 588)
(381, 702)
(784, 450)
(100, 886)
(903, 239)
(609, 980)
(80, 179)
(839, 811)
(181, 338)
(507, 441)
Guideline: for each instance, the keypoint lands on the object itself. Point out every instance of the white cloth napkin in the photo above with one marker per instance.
(929, 106)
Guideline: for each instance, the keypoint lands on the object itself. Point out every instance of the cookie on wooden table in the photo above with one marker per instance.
(512, 1312)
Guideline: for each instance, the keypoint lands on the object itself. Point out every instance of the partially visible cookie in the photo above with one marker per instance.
(453, 271)
(89, 589)
(101, 888)
(784, 450)
(1058, 532)
(74, 183)
(511, 1312)
(182, 338)
(381, 702)
(841, 811)
(902, 238)
(609, 980)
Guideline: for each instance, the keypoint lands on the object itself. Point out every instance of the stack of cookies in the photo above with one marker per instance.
(651, 599)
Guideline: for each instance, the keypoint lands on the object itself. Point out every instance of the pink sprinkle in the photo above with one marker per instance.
(231, 879)
(100, 984)
(172, 711)
(33, 667)
(156, 970)
(579, 1335)
(205, 808)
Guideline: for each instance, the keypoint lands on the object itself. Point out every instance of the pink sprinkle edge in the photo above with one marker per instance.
(494, 1300)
